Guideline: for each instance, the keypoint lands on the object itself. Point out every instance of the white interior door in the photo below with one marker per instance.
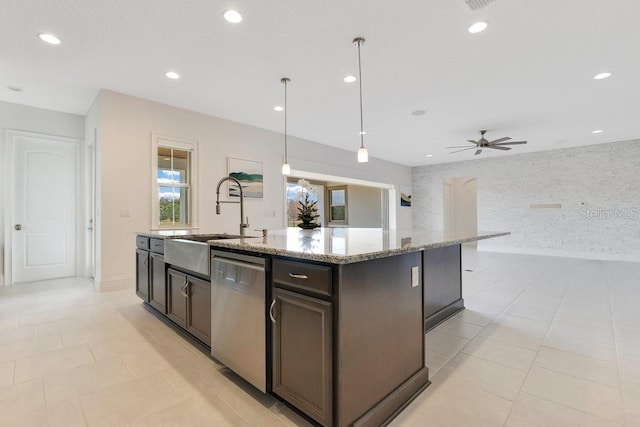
(44, 208)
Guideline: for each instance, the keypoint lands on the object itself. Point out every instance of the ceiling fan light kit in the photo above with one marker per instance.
(496, 144)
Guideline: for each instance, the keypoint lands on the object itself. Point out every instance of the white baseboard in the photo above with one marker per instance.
(560, 253)
(115, 283)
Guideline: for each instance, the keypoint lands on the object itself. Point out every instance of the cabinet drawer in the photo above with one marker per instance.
(142, 242)
(310, 277)
(157, 245)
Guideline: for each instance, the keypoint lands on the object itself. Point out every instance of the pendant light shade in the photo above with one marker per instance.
(363, 155)
(286, 169)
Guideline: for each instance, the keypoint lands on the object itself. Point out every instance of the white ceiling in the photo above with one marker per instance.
(529, 76)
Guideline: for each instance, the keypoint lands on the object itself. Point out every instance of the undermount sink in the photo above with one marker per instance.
(206, 237)
(191, 252)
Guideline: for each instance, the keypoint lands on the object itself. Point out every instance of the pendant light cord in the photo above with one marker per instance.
(284, 81)
(359, 41)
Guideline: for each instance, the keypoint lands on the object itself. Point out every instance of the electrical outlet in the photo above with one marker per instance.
(415, 276)
(125, 213)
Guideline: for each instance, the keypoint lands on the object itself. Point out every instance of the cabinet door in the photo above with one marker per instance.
(157, 283)
(442, 278)
(302, 353)
(176, 297)
(199, 309)
(142, 274)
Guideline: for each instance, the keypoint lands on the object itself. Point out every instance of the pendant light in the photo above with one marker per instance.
(286, 169)
(363, 155)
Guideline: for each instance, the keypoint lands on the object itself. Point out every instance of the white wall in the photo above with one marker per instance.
(589, 183)
(125, 126)
(364, 206)
(30, 119)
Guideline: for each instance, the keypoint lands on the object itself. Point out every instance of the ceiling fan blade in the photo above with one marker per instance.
(473, 142)
(478, 151)
(464, 149)
(506, 138)
(497, 147)
(511, 143)
(459, 146)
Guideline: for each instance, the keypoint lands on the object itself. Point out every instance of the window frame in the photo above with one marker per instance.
(177, 144)
(330, 221)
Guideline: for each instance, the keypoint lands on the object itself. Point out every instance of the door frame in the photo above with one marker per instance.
(388, 217)
(9, 194)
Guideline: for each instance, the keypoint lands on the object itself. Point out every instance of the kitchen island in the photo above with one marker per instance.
(347, 310)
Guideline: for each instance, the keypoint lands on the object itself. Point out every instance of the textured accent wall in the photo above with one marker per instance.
(597, 187)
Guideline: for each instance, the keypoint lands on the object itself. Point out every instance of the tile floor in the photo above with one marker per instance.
(543, 342)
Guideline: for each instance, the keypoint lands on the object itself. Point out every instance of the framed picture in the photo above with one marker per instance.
(249, 173)
(405, 196)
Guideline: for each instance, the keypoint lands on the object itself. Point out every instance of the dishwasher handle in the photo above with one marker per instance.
(238, 263)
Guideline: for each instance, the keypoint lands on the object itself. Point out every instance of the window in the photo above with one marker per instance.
(295, 191)
(337, 197)
(173, 186)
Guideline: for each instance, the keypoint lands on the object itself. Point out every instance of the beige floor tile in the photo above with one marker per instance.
(126, 402)
(537, 327)
(43, 317)
(484, 375)
(435, 361)
(118, 345)
(83, 380)
(63, 325)
(513, 336)
(6, 373)
(531, 311)
(9, 323)
(585, 396)
(631, 398)
(288, 417)
(498, 352)
(87, 334)
(602, 334)
(459, 328)
(629, 370)
(474, 317)
(531, 411)
(443, 344)
(588, 368)
(195, 412)
(449, 402)
(606, 352)
(68, 414)
(19, 398)
(27, 348)
(52, 362)
(18, 334)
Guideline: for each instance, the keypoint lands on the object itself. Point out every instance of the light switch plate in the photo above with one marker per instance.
(415, 276)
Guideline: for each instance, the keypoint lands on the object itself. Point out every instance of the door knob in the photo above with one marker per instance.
(18, 227)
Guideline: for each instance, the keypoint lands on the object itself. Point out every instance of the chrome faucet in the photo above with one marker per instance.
(243, 225)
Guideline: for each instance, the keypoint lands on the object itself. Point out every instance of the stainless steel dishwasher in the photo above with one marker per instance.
(238, 331)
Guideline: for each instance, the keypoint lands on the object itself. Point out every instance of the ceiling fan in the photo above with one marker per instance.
(498, 144)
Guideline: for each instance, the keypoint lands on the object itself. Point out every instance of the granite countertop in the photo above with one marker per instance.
(348, 245)
(176, 234)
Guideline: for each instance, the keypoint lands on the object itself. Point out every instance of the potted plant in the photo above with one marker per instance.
(307, 213)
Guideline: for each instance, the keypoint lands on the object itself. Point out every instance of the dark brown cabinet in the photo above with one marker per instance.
(189, 304)
(142, 274)
(150, 272)
(442, 284)
(302, 337)
(157, 283)
(302, 353)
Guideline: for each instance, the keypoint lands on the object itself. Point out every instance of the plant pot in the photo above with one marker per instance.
(309, 226)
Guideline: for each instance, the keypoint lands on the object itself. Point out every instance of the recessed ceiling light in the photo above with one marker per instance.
(602, 76)
(418, 113)
(14, 88)
(49, 38)
(350, 79)
(597, 131)
(429, 155)
(232, 16)
(478, 27)
(278, 108)
(172, 75)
